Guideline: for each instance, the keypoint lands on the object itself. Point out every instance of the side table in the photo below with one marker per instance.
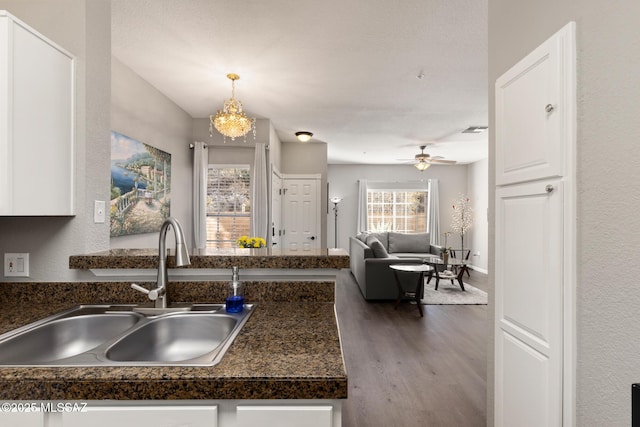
(416, 294)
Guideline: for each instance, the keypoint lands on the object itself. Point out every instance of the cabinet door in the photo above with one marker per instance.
(21, 419)
(37, 136)
(143, 416)
(534, 112)
(529, 304)
(284, 416)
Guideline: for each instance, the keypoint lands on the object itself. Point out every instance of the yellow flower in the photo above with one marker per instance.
(250, 242)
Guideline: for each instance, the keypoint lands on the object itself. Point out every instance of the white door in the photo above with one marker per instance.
(275, 228)
(534, 237)
(529, 297)
(301, 214)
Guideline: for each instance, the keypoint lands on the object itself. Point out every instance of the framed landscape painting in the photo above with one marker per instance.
(140, 186)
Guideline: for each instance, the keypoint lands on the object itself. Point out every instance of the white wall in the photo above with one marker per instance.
(478, 192)
(139, 111)
(608, 196)
(83, 27)
(343, 182)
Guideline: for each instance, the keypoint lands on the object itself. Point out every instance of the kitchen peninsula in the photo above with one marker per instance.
(288, 355)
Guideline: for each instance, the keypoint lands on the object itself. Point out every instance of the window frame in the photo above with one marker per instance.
(218, 243)
(395, 188)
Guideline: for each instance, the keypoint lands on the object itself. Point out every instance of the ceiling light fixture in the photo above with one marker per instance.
(231, 121)
(304, 136)
(422, 165)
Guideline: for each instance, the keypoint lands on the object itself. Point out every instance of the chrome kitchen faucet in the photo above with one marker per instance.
(159, 294)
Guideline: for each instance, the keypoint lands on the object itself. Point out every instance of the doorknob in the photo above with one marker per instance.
(312, 237)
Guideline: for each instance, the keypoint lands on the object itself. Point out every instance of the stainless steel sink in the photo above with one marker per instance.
(113, 335)
(174, 338)
(63, 338)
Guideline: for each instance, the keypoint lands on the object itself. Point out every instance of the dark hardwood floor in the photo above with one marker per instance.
(409, 371)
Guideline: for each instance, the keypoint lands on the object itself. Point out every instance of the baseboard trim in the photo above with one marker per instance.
(478, 269)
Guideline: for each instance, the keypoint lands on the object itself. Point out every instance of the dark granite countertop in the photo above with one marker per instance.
(286, 350)
(216, 258)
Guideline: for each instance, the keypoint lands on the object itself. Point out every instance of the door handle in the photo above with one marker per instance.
(312, 237)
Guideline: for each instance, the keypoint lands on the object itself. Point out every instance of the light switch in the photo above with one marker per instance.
(16, 265)
(98, 212)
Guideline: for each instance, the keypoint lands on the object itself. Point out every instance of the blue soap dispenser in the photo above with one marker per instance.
(235, 298)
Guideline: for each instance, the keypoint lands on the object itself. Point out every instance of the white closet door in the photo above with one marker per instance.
(529, 297)
(534, 108)
(534, 237)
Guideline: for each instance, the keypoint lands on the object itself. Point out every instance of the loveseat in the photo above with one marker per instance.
(370, 255)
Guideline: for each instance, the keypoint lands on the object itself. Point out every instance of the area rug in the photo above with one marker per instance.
(452, 294)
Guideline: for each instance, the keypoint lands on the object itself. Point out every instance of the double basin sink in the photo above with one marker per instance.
(121, 335)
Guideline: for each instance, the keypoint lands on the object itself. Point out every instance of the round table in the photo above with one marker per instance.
(414, 295)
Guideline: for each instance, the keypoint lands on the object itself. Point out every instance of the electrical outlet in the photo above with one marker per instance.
(16, 265)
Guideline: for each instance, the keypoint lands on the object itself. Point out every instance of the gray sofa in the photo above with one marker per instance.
(369, 261)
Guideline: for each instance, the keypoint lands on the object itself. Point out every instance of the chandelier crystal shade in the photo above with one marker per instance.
(231, 121)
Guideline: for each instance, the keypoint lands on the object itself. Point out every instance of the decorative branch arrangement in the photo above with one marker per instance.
(462, 217)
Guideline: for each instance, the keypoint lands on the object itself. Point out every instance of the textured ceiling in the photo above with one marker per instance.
(346, 70)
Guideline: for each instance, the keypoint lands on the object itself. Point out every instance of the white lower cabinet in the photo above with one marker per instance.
(285, 416)
(21, 419)
(186, 413)
(143, 416)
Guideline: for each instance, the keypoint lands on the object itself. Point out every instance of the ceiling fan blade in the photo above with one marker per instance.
(442, 161)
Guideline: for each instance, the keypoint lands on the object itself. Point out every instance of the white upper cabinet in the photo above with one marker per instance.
(37, 123)
(534, 104)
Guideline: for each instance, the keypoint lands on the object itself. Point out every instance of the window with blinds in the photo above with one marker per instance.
(228, 204)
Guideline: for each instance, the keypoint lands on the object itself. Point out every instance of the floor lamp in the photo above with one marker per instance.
(335, 201)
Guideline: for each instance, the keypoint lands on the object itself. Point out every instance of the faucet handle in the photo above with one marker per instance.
(152, 294)
(140, 288)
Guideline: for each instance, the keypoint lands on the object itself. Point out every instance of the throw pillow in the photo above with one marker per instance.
(362, 237)
(382, 237)
(378, 248)
(402, 242)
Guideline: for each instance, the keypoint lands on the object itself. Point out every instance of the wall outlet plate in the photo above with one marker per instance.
(99, 214)
(16, 265)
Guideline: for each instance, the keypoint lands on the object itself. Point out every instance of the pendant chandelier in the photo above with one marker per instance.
(231, 121)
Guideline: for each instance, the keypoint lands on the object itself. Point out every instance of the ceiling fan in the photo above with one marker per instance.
(423, 160)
